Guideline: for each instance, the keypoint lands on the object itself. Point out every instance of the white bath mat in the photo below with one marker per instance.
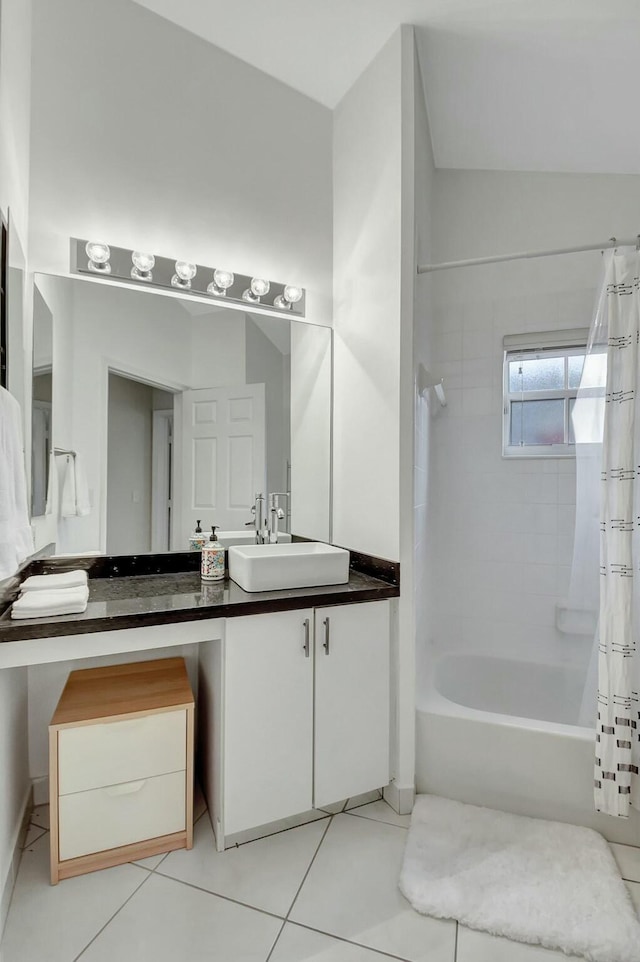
(528, 879)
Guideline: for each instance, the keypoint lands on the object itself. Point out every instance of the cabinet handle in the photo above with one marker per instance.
(325, 643)
(128, 788)
(305, 647)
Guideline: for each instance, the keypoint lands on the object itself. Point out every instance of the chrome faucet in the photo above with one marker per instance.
(259, 520)
(276, 514)
(267, 524)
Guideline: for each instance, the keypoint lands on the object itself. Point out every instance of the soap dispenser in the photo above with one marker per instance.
(197, 540)
(212, 563)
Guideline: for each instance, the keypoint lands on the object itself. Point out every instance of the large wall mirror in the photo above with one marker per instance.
(153, 411)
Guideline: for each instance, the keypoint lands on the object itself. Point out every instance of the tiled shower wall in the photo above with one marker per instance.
(503, 537)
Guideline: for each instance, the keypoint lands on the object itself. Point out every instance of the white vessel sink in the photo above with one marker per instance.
(302, 564)
(246, 536)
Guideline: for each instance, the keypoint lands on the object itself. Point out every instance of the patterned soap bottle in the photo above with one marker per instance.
(212, 563)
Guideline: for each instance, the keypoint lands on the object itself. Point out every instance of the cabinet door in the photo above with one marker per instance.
(268, 736)
(352, 700)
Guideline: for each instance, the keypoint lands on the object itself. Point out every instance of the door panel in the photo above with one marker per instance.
(352, 700)
(268, 719)
(222, 458)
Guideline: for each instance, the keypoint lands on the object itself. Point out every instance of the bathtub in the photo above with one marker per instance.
(504, 733)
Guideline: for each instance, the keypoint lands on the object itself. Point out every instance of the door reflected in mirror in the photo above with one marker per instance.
(179, 411)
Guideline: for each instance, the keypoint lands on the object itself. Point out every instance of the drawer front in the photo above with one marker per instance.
(92, 756)
(117, 815)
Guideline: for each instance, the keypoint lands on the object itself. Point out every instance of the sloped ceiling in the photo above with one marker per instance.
(542, 85)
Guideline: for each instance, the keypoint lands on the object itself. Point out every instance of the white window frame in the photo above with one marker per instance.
(531, 347)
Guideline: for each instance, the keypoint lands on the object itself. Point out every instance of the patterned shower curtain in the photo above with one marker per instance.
(617, 785)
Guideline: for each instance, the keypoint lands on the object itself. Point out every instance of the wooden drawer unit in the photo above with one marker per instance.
(121, 766)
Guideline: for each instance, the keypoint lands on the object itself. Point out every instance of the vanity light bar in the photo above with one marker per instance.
(148, 270)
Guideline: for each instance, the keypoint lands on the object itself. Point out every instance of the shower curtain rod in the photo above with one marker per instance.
(522, 255)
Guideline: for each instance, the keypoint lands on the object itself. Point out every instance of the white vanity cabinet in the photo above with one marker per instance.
(299, 710)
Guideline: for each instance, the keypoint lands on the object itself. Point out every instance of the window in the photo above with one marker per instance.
(542, 375)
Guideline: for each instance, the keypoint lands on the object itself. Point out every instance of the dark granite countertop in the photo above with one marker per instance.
(123, 595)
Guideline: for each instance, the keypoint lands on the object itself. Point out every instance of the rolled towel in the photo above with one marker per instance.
(65, 579)
(47, 604)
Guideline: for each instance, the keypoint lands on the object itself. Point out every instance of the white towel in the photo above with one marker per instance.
(65, 579)
(83, 506)
(75, 490)
(16, 537)
(45, 604)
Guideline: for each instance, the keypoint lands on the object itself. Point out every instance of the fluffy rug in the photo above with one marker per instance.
(525, 878)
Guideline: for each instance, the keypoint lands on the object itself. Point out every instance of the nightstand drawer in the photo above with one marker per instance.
(91, 756)
(118, 815)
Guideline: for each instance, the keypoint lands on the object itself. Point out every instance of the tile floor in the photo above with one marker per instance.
(326, 891)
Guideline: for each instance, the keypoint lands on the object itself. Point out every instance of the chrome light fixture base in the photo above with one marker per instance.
(133, 267)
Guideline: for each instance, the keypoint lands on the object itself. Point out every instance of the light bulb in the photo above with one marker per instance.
(292, 294)
(222, 281)
(259, 286)
(184, 274)
(143, 265)
(98, 255)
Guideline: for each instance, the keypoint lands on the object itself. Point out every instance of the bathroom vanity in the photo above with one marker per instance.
(293, 686)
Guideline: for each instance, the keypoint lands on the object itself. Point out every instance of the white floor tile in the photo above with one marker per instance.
(265, 874)
(40, 816)
(33, 834)
(55, 922)
(481, 947)
(381, 812)
(299, 945)
(634, 890)
(352, 891)
(628, 859)
(169, 922)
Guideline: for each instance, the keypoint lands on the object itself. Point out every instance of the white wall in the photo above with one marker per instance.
(311, 432)
(504, 536)
(267, 364)
(374, 268)
(15, 96)
(129, 466)
(150, 137)
(367, 261)
(15, 58)
(427, 407)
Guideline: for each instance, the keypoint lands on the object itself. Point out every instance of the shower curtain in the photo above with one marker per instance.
(607, 428)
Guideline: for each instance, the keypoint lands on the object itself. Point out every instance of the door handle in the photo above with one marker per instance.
(325, 643)
(305, 647)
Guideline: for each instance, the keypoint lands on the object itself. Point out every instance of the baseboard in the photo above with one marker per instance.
(400, 797)
(20, 835)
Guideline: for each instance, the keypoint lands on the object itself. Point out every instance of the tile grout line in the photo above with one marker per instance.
(380, 821)
(304, 879)
(216, 895)
(110, 920)
(341, 938)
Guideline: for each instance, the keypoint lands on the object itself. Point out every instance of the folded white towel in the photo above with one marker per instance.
(83, 505)
(65, 579)
(46, 604)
